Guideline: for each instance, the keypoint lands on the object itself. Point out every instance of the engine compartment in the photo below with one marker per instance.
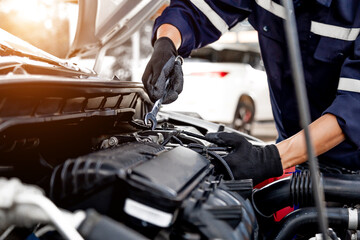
(86, 147)
(160, 183)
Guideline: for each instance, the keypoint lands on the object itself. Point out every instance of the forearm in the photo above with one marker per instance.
(325, 134)
(168, 30)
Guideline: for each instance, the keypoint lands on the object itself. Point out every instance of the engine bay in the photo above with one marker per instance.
(85, 149)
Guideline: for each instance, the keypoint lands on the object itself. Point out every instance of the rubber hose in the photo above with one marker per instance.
(299, 219)
(272, 197)
(296, 190)
(342, 188)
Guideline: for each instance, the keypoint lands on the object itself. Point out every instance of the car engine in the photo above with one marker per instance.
(77, 162)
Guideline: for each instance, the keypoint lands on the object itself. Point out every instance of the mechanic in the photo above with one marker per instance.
(330, 47)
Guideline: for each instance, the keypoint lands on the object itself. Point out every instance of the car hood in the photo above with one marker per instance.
(105, 24)
(17, 52)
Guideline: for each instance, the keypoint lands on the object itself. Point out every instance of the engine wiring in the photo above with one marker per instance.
(211, 152)
(202, 149)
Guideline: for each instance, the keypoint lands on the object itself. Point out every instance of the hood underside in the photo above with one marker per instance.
(105, 24)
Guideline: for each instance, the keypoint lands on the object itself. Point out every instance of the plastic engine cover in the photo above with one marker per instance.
(139, 183)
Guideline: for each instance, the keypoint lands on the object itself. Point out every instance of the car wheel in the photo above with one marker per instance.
(244, 115)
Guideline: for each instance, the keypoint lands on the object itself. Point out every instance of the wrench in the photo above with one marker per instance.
(151, 116)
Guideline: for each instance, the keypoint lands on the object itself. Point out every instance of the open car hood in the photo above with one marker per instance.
(105, 24)
(16, 52)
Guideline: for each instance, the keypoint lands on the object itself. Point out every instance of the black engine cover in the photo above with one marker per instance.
(148, 186)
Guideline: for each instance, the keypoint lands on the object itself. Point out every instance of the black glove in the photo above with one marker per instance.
(247, 160)
(162, 66)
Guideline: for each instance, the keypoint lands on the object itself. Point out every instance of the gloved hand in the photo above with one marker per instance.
(162, 66)
(247, 160)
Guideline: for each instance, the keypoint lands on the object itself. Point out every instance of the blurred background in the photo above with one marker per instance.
(43, 23)
(224, 82)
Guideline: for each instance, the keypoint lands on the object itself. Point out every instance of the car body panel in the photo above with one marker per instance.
(97, 32)
(42, 100)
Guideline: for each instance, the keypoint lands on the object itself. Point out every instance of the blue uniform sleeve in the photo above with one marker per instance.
(346, 106)
(201, 22)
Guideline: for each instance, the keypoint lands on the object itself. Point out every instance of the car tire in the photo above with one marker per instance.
(244, 115)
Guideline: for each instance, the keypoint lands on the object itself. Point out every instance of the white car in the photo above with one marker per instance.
(225, 83)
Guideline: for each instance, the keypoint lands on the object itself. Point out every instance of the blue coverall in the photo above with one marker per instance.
(330, 46)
